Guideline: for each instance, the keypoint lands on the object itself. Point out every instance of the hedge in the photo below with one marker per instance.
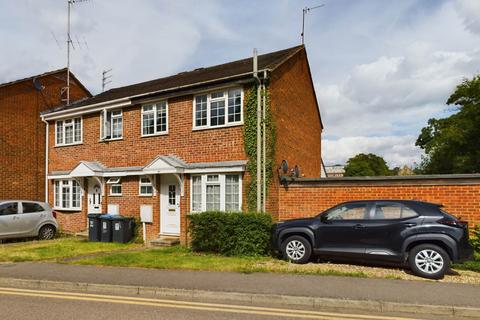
(475, 239)
(231, 233)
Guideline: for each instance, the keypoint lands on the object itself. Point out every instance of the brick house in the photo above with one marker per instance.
(175, 145)
(22, 133)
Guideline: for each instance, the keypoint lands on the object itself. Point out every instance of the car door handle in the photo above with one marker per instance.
(409, 224)
(358, 226)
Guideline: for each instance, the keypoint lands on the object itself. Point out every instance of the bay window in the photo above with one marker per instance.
(216, 192)
(217, 109)
(67, 195)
(155, 119)
(68, 131)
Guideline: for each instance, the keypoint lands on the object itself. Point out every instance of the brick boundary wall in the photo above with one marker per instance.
(460, 194)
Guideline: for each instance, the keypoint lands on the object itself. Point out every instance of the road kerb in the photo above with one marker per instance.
(248, 298)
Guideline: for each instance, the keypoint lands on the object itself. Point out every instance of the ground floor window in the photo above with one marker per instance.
(115, 186)
(146, 186)
(67, 194)
(216, 192)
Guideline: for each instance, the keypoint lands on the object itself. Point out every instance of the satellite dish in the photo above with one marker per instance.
(38, 86)
(284, 166)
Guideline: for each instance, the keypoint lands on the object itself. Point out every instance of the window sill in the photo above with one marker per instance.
(236, 124)
(68, 145)
(108, 140)
(154, 134)
(114, 195)
(146, 195)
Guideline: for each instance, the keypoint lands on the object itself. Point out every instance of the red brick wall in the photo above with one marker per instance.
(308, 199)
(22, 134)
(220, 144)
(210, 145)
(297, 118)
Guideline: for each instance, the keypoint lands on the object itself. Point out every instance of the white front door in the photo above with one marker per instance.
(169, 205)
(94, 196)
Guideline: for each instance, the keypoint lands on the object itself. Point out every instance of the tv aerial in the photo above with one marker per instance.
(304, 13)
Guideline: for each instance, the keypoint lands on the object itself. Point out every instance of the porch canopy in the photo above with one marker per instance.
(159, 165)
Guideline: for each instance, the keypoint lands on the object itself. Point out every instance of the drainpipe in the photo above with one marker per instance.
(46, 159)
(264, 151)
(259, 115)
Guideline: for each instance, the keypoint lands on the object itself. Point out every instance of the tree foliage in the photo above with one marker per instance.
(367, 165)
(452, 144)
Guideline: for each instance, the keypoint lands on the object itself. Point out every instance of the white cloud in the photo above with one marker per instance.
(380, 105)
(396, 150)
(470, 12)
(381, 68)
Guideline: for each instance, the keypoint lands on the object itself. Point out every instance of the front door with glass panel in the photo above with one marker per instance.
(94, 197)
(170, 206)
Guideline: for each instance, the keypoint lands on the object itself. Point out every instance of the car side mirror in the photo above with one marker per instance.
(324, 218)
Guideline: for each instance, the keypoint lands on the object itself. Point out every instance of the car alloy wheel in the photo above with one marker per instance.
(429, 261)
(47, 233)
(295, 250)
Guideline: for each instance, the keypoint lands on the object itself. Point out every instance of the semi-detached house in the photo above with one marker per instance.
(175, 145)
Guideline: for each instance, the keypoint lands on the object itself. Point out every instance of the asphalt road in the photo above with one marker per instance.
(415, 292)
(36, 304)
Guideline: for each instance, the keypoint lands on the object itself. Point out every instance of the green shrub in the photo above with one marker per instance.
(475, 239)
(231, 233)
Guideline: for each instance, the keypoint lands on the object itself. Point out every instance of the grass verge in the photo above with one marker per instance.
(181, 258)
(56, 249)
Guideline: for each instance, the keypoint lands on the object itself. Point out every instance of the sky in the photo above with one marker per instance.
(380, 68)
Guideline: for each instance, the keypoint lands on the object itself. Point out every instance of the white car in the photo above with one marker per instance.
(22, 219)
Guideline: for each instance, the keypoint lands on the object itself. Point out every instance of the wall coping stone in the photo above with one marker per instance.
(437, 179)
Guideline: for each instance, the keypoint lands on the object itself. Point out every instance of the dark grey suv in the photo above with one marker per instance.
(419, 234)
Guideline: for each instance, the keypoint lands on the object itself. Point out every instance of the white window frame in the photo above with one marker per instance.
(154, 111)
(209, 107)
(62, 121)
(112, 182)
(104, 125)
(144, 184)
(59, 197)
(221, 181)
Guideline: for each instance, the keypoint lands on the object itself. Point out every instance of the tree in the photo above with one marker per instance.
(366, 165)
(452, 144)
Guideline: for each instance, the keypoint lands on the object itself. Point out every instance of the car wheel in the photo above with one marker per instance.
(429, 261)
(46, 232)
(296, 249)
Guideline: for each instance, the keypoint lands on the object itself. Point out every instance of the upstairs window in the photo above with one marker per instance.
(217, 109)
(111, 124)
(155, 119)
(68, 131)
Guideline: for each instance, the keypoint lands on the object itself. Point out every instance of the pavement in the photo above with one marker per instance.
(315, 291)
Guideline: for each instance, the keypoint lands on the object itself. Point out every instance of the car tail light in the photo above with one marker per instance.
(452, 223)
(54, 214)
